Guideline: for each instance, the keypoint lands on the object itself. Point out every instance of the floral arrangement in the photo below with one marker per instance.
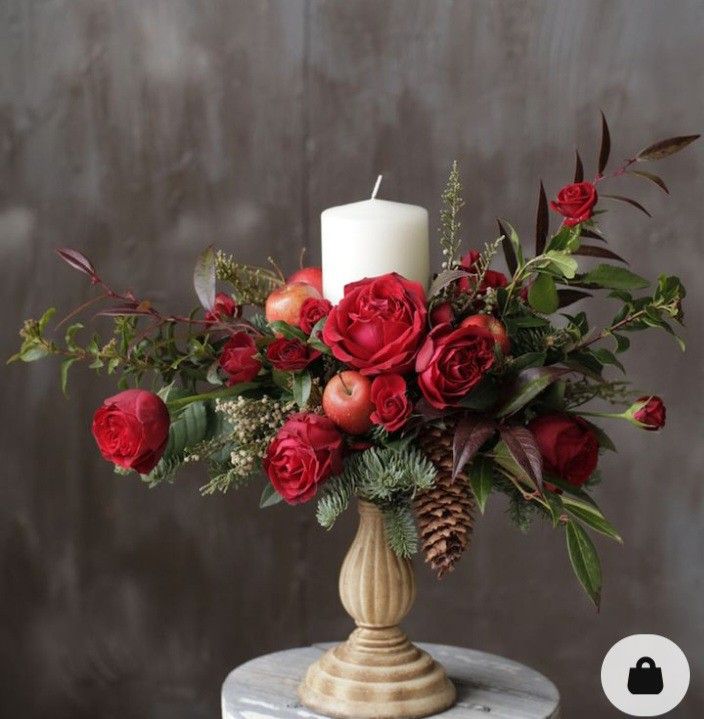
(424, 403)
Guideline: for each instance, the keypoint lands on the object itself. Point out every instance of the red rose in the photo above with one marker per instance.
(649, 412)
(391, 404)
(378, 325)
(132, 429)
(575, 202)
(492, 278)
(312, 311)
(290, 355)
(452, 362)
(305, 452)
(569, 446)
(238, 359)
(223, 308)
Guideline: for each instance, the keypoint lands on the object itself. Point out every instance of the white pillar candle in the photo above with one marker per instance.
(371, 238)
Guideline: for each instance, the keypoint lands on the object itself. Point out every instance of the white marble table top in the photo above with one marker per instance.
(488, 686)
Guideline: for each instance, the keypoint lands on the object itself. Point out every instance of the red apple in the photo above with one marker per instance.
(312, 276)
(347, 401)
(285, 303)
(493, 325)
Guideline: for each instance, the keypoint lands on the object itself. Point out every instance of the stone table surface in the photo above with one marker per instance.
(488, 686)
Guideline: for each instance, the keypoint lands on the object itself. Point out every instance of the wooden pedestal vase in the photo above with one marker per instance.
(377, 673)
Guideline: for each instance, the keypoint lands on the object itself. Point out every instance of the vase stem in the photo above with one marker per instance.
(377, 672)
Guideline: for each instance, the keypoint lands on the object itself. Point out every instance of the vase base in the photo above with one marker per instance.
(377, 674)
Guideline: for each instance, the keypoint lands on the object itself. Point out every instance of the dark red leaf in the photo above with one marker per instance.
(524, 449)
(471, 433)
(507, 247)
(123, 311)
(653, 178)
(605, 149)
(592, 251)
(578, 168)
(542, 222)
(591, 234)
(77, 260)
(665, 148)
(629, 201)
(568, 297)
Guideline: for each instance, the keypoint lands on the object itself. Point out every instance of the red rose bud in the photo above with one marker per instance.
(312, 311)
(575, 202)
(290, 355)
(568, 445)
(238, 359)
(131, 429)
(441, 314)
(392, 408)
(305, 452)
(492, 279)
(452, 362)
(223, 308)
(378, 325)
(648, 412)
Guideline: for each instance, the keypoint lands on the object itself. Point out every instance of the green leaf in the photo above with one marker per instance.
(481, 480)
(509, 254)
(33, 353)
(562, 262)
(607, 357)
(514, 240)
(622, 342)
(614, 278)
(542, 295)
(585, 560)
(45, 319)
(482, 397)
(591, 515)
(529, 384)
(315, 334)
(204, 278)
(212, 376)
(527, 322)
(529, 359)
(65, 366)
(605, 442)
(302, 384)
(566, 239)
(269, 497)
(290, 332)
(69, 337)
(542, 221)
(187, 428)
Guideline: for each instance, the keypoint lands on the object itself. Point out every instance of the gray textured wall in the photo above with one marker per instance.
(142, 130)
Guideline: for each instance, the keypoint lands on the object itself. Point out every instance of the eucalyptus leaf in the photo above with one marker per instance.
(270, 497)
(204, 278)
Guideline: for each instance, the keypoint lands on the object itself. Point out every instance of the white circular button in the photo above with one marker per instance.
(645, 675)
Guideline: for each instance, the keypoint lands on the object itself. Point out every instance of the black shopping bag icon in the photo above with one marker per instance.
(644, 679)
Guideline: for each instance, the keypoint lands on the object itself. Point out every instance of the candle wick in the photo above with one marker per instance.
(376, 187)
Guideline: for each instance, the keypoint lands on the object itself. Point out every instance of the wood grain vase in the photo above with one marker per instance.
(377, 673)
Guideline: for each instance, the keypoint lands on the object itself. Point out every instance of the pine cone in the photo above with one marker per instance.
(445, 513)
